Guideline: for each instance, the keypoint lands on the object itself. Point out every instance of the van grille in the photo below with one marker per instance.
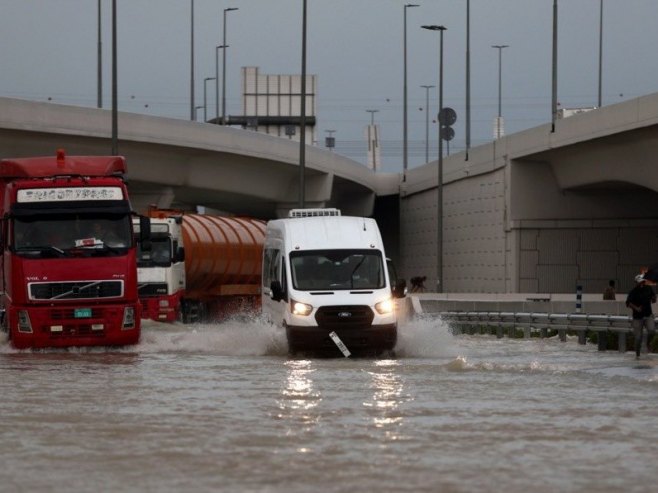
(344, 317)
(77, 290)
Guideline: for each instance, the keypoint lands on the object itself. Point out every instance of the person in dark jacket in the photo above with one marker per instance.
(639, 300)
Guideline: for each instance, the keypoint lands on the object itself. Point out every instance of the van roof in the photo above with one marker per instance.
(333, 232)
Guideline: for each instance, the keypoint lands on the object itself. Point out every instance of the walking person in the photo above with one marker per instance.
(639, 300)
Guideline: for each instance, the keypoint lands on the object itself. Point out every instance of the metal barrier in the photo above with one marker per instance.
(542, 322)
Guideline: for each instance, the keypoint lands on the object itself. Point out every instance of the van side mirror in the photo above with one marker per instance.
(276, 291)
(400, 289)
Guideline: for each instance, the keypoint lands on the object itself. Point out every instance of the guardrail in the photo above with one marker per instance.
(509, 323)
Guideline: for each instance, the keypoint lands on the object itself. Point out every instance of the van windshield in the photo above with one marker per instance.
(337, 269)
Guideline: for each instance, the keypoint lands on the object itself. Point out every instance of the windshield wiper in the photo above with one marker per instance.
(354, 271)
(42, 249)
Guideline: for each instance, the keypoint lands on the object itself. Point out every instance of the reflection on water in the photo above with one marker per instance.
(299, 400)
(388, 395)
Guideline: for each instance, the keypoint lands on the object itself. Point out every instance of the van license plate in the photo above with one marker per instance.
(82, 313)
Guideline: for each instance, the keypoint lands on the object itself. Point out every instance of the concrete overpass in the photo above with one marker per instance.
(534, 212)
(179, 163)
(542, 211)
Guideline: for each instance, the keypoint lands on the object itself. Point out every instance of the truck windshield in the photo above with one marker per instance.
(159, 255)
(337, 269)
(61, 233)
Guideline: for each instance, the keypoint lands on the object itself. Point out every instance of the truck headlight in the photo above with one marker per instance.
(384, 307)
(299, 308)
(24, 324)
(129, 317)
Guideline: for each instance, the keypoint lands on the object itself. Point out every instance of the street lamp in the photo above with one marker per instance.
(500, 83)
(217, 48)
(600, 51)
(205, 91)
(427, 122)
(439, 204)
(468, 77)
(195, 111)
(192, 111)
(372, 116)
(115, 78)
(302, 115)
(224, 67)
(554, 82)
(405, 153)
(100, 62)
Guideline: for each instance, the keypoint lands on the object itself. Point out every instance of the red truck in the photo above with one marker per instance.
(69, 273)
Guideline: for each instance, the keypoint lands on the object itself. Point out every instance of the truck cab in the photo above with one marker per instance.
(161, 269)
(325, 273)
(68, 267)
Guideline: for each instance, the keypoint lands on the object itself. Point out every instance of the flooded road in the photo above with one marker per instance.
(222, 408)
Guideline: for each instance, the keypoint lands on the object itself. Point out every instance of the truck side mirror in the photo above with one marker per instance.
(276, 291)
(180, 254)
(145, 233)
(400, 289)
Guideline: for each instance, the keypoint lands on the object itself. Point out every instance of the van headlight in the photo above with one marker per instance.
(384, 307)
(299, 308)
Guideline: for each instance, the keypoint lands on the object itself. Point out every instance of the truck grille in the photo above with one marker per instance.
(344, 317)
(152, 289)
(77, 290)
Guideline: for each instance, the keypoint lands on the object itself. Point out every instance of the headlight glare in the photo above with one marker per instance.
(299, 308)
(384, 307)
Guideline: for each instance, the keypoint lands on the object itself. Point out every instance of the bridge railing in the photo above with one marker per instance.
(511, 323)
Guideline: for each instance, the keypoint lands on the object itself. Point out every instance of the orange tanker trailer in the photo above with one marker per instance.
(222, 273)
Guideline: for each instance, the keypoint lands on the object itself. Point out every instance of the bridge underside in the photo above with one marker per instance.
(172, 176)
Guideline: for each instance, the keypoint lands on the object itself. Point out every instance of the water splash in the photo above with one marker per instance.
(237, 337)
(426, 338)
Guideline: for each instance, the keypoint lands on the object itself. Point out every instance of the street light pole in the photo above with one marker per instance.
(302, 120)
(224, 67)
(192, 60)
(600, 52)
(405, 151)
(468, 77)
(217, 48)
(427, 122)
(500, 84)
(100, 57)
(205, 93)
(554, 82)
(439, 202)
(115, 104)
(372, 116)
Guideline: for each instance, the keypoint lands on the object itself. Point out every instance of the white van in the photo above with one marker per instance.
(324, 273)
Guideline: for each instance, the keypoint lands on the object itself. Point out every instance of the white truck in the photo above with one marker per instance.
(326, 275)
(161, 270)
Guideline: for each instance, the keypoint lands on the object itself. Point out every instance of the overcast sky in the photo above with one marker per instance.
(48, 50)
